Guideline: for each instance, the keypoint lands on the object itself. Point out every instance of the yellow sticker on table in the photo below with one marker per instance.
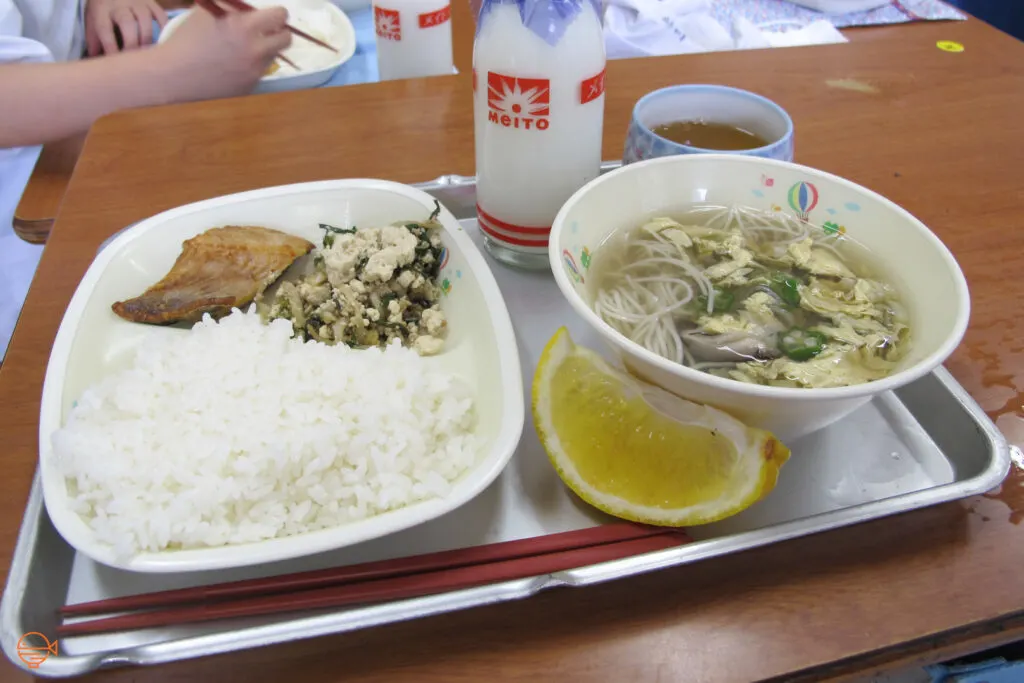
(949, 46)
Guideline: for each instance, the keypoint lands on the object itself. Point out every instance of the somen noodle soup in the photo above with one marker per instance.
(755, 296)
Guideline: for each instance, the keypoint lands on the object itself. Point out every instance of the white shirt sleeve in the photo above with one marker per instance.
(32, 31)
(14, 45)
(16, 164)
(41, 30)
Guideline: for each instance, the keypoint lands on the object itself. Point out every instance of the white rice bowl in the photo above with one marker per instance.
(316, 65)
(235, 433)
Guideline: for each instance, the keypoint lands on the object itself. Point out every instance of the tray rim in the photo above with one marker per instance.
(189, 647)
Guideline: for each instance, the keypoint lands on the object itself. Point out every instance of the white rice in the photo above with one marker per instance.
(235, 432)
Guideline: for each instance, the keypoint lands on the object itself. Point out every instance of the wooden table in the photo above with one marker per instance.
(937, 132)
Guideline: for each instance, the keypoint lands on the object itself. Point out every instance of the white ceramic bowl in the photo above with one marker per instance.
(92, 342)
(932, 285)
(301, 51)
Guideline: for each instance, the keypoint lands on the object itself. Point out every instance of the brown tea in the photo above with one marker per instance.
(708, 135)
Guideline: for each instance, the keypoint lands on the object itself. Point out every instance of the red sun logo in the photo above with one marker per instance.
(528, 97)
(387, 23)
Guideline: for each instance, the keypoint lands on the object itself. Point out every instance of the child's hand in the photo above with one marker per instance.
(210, 57)
(133, 19)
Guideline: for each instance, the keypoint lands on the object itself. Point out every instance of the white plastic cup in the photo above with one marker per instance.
(414, 38)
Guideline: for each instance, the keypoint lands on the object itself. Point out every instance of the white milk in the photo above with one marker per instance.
(414, 38)
(539, 113)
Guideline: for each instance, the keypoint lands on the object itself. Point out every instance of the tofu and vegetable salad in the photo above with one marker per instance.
(370, 286)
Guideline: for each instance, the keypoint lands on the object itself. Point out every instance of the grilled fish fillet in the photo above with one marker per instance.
(217, 270)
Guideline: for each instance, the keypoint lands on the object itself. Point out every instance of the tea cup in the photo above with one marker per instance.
(713, 104)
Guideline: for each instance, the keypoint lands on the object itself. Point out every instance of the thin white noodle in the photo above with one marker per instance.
(628, 296)
(739, 223)
(618, 310)
(677, 340)
(691, 270)
(658, 277)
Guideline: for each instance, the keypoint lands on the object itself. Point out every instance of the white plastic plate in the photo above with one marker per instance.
(92, 342)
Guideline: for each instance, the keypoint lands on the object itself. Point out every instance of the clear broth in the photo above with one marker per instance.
(661, 301)
(710, 135)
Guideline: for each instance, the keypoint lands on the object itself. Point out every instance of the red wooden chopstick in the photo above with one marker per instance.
(448, 559)
(216, 10)
(395, 588)
(246, 7)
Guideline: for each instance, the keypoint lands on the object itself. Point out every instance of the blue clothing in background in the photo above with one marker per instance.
(1006, 15)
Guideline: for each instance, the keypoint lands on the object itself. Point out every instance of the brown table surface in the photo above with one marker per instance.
(935, 131)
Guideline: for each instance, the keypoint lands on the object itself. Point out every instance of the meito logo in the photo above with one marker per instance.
(436, 18)
(592, 88)
(387, 23)
(33, 655)
(518, 102)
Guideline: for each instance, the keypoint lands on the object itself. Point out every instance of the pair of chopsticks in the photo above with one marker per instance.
(373, 582)
(216, 10)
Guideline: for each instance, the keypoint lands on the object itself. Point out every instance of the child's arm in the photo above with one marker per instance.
(205, 58)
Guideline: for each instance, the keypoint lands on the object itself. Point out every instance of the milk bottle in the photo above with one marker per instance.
(538, 106)
(414, 38)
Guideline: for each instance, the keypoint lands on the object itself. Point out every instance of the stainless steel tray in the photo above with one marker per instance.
(924, 444)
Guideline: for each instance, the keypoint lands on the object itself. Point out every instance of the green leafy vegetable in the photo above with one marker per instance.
(331, 232)
(338, 231)
(787, 288)
(800, 345)
(724, 300)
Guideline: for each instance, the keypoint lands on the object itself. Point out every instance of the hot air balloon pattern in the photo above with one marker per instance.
(571, 267)
(803, 197)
